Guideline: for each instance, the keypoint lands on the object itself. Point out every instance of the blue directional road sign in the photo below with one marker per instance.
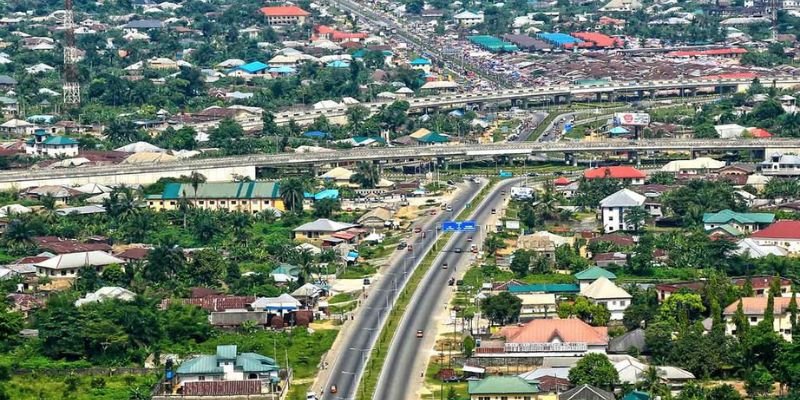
(456, 226)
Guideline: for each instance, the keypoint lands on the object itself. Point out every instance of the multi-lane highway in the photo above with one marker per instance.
(407, 352)
(360, 337)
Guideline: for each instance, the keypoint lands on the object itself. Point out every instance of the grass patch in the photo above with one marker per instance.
(358, 271)
(341, 298)
(378, 355)
(77, 387)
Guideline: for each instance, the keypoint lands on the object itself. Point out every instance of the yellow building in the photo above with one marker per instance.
(248, 197)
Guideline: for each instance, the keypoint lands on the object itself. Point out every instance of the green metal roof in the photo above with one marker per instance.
(594, 273)
(636, 395)
(252, 362)
(726, 216)
(203, 365)
(223, 190)
(545, 288)
(502, 385)
(287, 269)
(226, 352)
(729, 229)
(60, 141)
(434, 137)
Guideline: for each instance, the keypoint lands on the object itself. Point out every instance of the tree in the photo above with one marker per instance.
(661, 178)
(11, 323)
(469, 346)
(724, 392)
(356, 115)
(60, 326)
(292, 192)
(681, 308)
(207, 268)
(502, 308)
(758, 382)
(594, 369)
(788, 366)
(367, 175)
(326, 207)
(594, 314)
(225, 133)
(643, 308)
(792, 308)
(520, 264)
(636, 217)
(493, 243)
(122, 132)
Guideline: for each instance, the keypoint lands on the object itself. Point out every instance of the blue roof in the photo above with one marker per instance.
(253, 67)
(360, 53)
(60, 141)
(316, 134)
(420, 61)
(339, 64)
(545, 288)
(618, 130)
(559, 39)
(283, 69)
(327, 194)
(359, 139)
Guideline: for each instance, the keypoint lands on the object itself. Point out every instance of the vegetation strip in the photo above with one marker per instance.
(369, 379)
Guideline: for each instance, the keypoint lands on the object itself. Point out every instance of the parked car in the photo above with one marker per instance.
(419, 333)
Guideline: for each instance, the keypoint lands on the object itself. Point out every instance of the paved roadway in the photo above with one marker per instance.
(348, 367)
(402, 364)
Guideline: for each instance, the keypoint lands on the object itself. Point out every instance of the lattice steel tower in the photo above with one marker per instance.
(72, 88)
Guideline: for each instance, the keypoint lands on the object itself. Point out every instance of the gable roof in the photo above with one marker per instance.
(323, 225)
(594, 273)
(543, 331)
(617, 172)
(223, 190)
(779, 230)
(502, 385)
(623, 343)
(623, 198)
(252, 67)
(726, 216)
(586, 392)
(80, 260)
(603, 288)
(284, 11)
(757, 305)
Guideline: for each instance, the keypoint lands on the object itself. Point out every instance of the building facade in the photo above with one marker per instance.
(248, 197)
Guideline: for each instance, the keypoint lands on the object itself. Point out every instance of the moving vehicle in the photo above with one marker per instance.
(311, 396)
(410, 248)
(457, 250)
(419, 335)
(444, 266)
(402, 245)
(334, 389)
(417, 230)
(449, 209)
(451, 282)
(469, 239)
(494, 211)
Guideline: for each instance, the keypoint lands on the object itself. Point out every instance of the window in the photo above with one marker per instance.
(172, 203)
(252, 376)
(610, 217)
(753, 319)
(222, 202)
(233, 202)
(211, 202)
(201, 378)
(622, 303)
(201, 202)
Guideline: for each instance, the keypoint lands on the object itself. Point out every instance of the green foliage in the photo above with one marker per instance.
(681, 308)
(643, 307)
(469, 346)
(501, 308)
(689, 202)
(594, 369)
(292, 191)
(758, 382)
(594, 314)
(591, 191)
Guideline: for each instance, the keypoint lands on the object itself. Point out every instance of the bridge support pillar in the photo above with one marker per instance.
(653, 94)
(570, 159)
(598, 97)
(640, 94)
(633, 156)
(758, 154)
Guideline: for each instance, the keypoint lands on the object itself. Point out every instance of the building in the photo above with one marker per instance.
(743, 222)
(285, 15)
(761, 284)
(784, 234)
(548, 338)
(586, 392)
(613, 208)
(219, 373)
(754, 308)
(538, 305)
(248, 197)
(468, 19)
(551, 379)
(105, 293)
(502, 388)
(544, 243)
(45, 144)
(782, 165)
(614, 298)
(693, 167)
(628, 175)
(589, 275)
(69, 265)
(320, 228)
(377, 218)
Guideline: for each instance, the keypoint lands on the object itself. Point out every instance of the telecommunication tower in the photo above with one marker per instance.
(72, 88)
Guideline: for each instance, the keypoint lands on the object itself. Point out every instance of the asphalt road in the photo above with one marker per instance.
(401, 367)
(530, 125)
(348, 367)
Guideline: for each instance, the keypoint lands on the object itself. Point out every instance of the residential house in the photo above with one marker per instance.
(616, 258)
(754, 308)
(502, 388)
(58, 245)
(285, 273)
(467, 19)
(537, 305)
(563, 289)
(622, 6)
(548, 338)
(737, 174)
(143, 24)
(693, 167)
(16, 127)
(618, 239)
(338, 175)
(784, 234)
(24, 303)
(781, 165)
(745, 223)
(586, 392)
(285, 15)
(623, 344)
(377, 218)
(321, 229)
(53, 146)
(589, 275)
(632, 371)
(248, 197)
(614, 298)
(255, 68)
(421, 63)
(761, 285)
(730, 131)
(253, 374)
(550, 379)
(748, 247)
(60, 193)
(9, 107)
(69, 265)
(628, 175)
(106, 293)
(544, 243)
(613, 208)
(7, 82)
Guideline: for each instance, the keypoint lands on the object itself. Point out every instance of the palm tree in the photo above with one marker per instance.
(636, 217)
(292, 191)
(493, 243)
(367, 175)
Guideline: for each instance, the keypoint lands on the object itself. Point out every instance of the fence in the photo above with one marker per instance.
(86, 371)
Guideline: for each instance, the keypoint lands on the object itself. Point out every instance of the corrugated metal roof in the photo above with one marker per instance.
(226, 352)
(223, 190)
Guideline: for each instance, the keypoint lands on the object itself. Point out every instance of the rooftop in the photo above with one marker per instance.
(223, 190)
(284, 11)
(618, 172)
(726, 216)
(779, 230)
(757, 305)
(594, 273)
(502, 385)
(571, 330)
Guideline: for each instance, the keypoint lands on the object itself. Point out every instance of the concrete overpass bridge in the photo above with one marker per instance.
(563, 93)
(228, 168)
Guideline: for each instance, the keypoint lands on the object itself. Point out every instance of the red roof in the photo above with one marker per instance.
(337, 35)
(324, 29)
(760, 282)
(760, 133)
(706, 53)
(595, 39)
(562, 181)
(619, 172)
(284, 11)
(779, 230)
(565, 330)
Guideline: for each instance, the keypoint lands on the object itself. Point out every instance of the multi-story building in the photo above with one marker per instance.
(754, 308)
(228, 373)
(45, 144)
(613, 208)
(614, 298)
(787, 165)
(285, 15)
(249, 197)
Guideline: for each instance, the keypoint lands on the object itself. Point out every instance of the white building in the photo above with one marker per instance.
(787, 165)
(68, 265)
(785, 234)
(45, 144)
(256, 373)
(612, 209)
(614, 298)
(730, 131)
(754, 307)
(468, 18)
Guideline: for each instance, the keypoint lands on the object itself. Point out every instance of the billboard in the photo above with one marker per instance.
(628, 118)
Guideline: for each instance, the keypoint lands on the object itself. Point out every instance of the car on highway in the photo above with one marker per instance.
(334, 389)
(451, 282)
(457, 250)
(410, 248)
(449, 209)
(417, 230)
(473, 248)
(419, 333)
(444, 265)
(469, 239)
(494, 211)
(311, 396)
(433, 212)
(402, 245)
